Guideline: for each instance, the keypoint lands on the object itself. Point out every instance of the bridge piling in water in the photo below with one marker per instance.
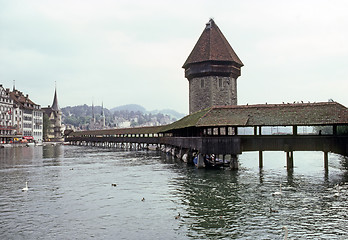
(290, 160)
(326, 161)
(200, 161)
(234, 162)
(260, 159)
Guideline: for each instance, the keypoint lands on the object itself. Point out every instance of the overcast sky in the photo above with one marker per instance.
(123, 52)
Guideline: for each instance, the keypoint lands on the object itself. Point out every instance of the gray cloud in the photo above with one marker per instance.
(123, 52)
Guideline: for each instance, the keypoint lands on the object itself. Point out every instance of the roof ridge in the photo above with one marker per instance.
(275, 104)
(209, 110)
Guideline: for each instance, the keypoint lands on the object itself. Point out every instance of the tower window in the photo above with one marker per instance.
(202, 83)
(220, 83)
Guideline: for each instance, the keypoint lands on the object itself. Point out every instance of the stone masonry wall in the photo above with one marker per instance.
(211, 91)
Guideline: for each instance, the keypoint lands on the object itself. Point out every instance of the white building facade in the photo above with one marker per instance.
(7, 129)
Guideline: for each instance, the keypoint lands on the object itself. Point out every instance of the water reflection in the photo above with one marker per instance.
(239, 204)
(18, 155)
(51, 151)
(212, 199)
(70, 196)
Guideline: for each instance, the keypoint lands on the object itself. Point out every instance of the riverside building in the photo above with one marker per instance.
(28, 116)
(54, 114)
(7, 128)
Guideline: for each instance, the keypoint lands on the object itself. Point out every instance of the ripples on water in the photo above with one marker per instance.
(70, 196)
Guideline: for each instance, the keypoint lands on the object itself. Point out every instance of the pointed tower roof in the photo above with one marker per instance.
(55, 106)
(93, 116)
(212, 46)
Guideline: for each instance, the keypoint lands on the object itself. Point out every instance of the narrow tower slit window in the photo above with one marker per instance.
(220, 83)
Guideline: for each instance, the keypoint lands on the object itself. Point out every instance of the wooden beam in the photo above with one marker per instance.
(260, 159)
(326, 161)
(290, 160)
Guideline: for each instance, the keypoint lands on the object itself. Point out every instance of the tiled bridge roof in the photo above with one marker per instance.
(299, 114)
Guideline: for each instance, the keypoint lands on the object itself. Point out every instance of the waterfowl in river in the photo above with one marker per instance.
(26, 187)
(286, 232)
(271, 210)
(278, 193)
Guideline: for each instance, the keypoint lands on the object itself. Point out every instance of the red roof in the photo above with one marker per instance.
(212, 46)
(24, 101)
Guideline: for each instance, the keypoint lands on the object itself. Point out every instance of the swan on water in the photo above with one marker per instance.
(26, 187)
(278, 193)
(286, 232)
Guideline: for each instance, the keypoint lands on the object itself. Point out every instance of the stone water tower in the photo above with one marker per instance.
(212, 70)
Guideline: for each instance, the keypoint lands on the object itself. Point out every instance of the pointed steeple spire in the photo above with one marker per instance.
(102, 109)
(103, 116)
(93, 115)
(55, 106)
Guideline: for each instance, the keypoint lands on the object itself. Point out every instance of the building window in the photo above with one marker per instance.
(220, 83)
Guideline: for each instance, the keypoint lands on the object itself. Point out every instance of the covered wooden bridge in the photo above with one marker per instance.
(231, 130)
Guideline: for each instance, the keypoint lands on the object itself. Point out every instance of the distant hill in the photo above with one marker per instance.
(83, 110)
(130, 108)
(170, 112)
(139, 108)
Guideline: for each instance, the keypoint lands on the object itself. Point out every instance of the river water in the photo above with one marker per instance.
(70, 196)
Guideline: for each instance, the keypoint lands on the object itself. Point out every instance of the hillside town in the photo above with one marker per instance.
(24, 121)
(86, 117)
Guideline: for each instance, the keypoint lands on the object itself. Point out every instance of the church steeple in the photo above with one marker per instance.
(103, 116)
(93, 115)
(55, 105)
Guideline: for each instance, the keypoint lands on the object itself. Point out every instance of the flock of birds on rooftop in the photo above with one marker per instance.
(296, 102)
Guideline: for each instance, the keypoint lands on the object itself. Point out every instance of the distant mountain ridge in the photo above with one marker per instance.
(129, 107)
(136, 108)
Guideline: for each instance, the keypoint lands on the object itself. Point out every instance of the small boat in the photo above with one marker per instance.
(6, 145)
(214, 162)
(30, 144)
